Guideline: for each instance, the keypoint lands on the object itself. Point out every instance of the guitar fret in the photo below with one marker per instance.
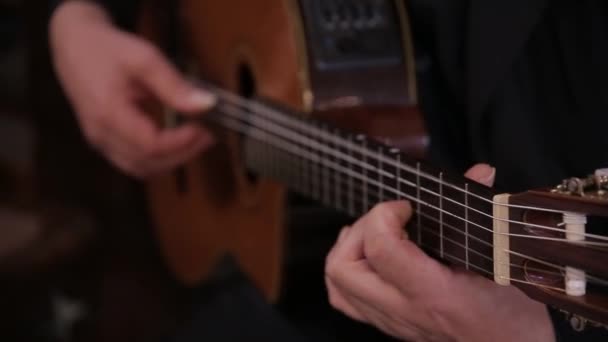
(418, 204)
(326, 197)
(398, 180)
(441, 211)
(351, 190)
(365, 199)
(305, 164)
(316, 172)
(381, 171)
(337, 184)
(317, 155)
(466, 223)
(299, 164)
(271, 163)
(367, 167)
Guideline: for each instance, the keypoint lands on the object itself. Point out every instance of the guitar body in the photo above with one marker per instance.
(286, 52)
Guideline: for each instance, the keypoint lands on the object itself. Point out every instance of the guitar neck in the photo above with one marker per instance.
(352, 173)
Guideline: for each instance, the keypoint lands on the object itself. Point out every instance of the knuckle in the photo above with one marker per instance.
(93, 135)
(330, 268)
(145, 58)
(385, 215)
(375, 250)
(333, 270)
(333, 298)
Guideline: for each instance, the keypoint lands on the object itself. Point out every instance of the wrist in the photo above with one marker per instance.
(496, 313)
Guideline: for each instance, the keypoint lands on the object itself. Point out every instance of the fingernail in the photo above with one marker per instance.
(202, 99)
(489, 179)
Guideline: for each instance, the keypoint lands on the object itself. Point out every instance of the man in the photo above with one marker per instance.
(494, 74)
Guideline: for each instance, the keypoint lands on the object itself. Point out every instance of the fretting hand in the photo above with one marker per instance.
(106, 73)
(374, 274)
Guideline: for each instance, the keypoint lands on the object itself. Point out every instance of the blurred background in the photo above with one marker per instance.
(76, 260)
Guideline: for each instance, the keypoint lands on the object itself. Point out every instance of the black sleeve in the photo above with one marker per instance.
(437, 28)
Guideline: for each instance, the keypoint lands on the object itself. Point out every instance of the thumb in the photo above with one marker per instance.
(482, 173)
(166, 83)
(395, 259)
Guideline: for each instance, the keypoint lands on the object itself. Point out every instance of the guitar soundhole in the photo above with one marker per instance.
(247, 89)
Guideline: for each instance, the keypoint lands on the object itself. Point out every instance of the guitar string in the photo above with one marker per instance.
(309, 142)
(470, 249)
(287, 135)
(253, 107)
(296, 150)
(325, 197)
(448, 255)
(561, 268)
(343, 181)
(246, 129)
(590, 278)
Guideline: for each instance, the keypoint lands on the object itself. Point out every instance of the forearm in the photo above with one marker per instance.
(480, 310)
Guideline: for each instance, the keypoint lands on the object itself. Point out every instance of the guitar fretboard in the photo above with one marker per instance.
(352, 173)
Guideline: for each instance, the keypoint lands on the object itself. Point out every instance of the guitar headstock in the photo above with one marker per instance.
(594, 187)
(556, 247)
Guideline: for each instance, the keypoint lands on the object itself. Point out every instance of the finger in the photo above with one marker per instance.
(115, 151)
(338, 301)
(389, 322)
(148, 149)
(111, 145)
(171, 161)
(365, 291)
(156, 74)
(343, 234)
(402, 263)
(148, 142)
(398, 261)
(349, 246)
(341, 237)
(390, 216)
(482, 173)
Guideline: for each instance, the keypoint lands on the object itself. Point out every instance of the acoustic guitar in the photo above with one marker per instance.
(314, 96)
